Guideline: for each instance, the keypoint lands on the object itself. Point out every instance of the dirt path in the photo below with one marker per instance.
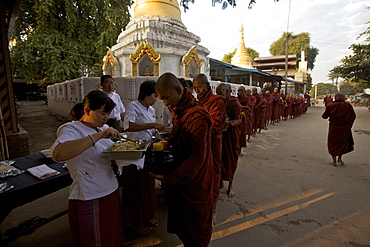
(41, 126)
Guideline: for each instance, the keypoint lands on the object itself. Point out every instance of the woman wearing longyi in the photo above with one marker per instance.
(138, 186)
(94, 204)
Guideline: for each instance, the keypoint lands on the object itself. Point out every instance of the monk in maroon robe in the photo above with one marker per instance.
(269, 104)
(259, 110)
(251, 102)
(216, 106)
(328, 100)
(276, 102)
(256, 110)
(288, 107)
(188, 187)
(341, 118)
(244, 104)
(230, 137)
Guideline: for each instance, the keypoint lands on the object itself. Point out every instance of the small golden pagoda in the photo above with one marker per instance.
(241, 57)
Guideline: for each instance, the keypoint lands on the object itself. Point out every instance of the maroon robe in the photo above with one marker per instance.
(230, 140)
(328, 100)
(269, 107)
(288, 108)
(260, 111)
(341, 117)
(244, 116)
(251, 102)
(275, 106)
(189, 187)
(216, 106)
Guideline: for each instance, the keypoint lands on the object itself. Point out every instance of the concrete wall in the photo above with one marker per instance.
(63, 96)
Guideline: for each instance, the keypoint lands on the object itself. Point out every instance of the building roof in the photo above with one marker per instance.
(217, 64)
(221, 64)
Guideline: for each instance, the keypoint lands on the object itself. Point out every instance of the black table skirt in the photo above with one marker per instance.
(28, 188)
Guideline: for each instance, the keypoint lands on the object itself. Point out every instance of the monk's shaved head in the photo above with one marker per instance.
(241, 91)
(340, 95)
(169, 89)
(201, 78)
(223, 90)
(168, 80)
(201, 85)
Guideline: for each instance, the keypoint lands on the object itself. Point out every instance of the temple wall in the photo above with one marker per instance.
(63, 96)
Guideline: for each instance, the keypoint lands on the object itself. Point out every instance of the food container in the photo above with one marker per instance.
(126, 155)
(46, 153)
(160, 162)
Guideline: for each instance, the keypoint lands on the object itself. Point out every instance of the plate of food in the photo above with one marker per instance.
(127, 150)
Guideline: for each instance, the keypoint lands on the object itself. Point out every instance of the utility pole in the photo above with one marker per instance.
(286, 62)
(286, 52)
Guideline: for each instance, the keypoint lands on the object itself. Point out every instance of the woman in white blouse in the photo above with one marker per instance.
(94, 205)
(138, 186)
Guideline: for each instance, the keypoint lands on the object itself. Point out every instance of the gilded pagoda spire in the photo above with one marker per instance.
(168, 8)
(241, 57)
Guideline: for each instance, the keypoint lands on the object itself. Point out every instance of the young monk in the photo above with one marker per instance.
(189, 187)
(216, 106)
(230, 138)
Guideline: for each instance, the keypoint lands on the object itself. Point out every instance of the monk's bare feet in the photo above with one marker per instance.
(214, 218)
(333, 163)
(340, 162)
(230, 193)
(153, 222)
(221, 184)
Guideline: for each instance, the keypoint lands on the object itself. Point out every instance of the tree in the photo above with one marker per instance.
(296, 44)
(349, 88)
(334, 75)
(324, 89)
(251, 52)
(308, 82)
(60, 40)
(356, 67)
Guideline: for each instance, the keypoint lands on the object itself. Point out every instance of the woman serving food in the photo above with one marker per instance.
(138, 186)
(94, 205)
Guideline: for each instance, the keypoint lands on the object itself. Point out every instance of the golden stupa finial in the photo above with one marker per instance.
(241, 57)
(168, 8)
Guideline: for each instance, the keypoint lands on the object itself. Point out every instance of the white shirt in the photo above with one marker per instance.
(167, 117)
(91, 171)
(137, 113)
(119, 108)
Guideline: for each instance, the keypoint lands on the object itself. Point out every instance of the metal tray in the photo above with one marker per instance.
(126, 155)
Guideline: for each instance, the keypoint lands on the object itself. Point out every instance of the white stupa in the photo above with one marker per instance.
(156, 41)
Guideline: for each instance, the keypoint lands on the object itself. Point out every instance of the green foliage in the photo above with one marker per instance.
(251, 52)
(308, 82)
(324, 89)
(60, 39)
(228, 56)
(296, 44)
(349, 88)
(356, 67)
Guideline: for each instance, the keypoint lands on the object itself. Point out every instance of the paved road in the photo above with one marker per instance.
(287, 194)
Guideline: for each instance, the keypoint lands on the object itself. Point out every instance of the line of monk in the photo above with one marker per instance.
(206, 140)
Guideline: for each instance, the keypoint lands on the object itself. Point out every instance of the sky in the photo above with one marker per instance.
(333, 26)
